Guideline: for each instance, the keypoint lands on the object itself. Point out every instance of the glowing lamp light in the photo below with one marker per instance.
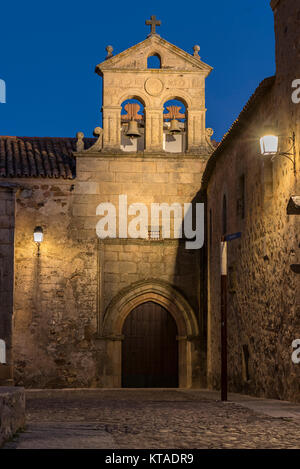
(38, 234)
(269, 145)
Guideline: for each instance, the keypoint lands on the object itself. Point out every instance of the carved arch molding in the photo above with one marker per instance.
(168, 297)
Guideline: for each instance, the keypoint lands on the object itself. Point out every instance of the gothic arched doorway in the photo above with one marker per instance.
(149, 348)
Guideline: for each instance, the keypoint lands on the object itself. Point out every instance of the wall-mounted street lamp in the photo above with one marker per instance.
(269, 145)
(38, 236)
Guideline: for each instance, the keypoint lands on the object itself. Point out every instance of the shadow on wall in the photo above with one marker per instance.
(189, 279)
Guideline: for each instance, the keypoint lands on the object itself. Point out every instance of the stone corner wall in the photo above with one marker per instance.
(12, 412)
(263, 292)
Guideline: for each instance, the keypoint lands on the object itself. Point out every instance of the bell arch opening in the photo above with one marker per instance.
(132, 125)
(175, 126)
(154, 61)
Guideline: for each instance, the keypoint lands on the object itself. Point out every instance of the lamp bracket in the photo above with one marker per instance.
(285, 154)
(291, 153)
(38, 249)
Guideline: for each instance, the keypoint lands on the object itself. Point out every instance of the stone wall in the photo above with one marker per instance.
(7, 226)
(263, 292)
(12, 412)
(62, 295)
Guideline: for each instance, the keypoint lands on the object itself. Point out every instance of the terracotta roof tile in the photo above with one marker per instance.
(50, 157)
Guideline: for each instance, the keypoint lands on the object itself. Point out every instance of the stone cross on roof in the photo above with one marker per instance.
(153, 22)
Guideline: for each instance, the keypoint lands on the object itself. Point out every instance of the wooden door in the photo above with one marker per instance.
(149, 348)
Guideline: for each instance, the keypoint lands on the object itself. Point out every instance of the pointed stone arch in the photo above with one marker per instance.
(173, 301)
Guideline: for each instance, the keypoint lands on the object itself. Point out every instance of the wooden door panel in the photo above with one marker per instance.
(149, 348)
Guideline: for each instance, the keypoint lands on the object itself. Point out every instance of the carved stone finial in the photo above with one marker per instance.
(96, 147)
(80, 142)
(209, 132)
(97, 131)
(109, 50)
(196, 49)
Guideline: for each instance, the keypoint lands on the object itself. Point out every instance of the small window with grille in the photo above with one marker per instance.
(154, 232)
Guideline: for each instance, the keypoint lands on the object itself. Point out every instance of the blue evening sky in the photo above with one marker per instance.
(49, 51)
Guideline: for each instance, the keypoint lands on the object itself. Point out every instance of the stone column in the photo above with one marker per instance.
(196, 129)
(184, 362)
(154, 129)
(7, 228)
(111, 127)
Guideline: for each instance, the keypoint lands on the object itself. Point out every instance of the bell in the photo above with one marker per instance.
(133, 131)
(174, 127)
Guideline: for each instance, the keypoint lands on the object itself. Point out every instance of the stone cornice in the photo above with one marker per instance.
(154, 71)
(140, 156)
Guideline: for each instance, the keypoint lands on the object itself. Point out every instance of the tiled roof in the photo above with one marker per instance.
(236, 127)
(47, 157)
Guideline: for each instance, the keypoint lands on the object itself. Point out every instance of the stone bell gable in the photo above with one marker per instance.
(172, 58)
(180, 76)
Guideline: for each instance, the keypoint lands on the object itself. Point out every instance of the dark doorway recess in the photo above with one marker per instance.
(149, 348)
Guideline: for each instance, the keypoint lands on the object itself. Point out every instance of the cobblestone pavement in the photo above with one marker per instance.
(118, 419)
